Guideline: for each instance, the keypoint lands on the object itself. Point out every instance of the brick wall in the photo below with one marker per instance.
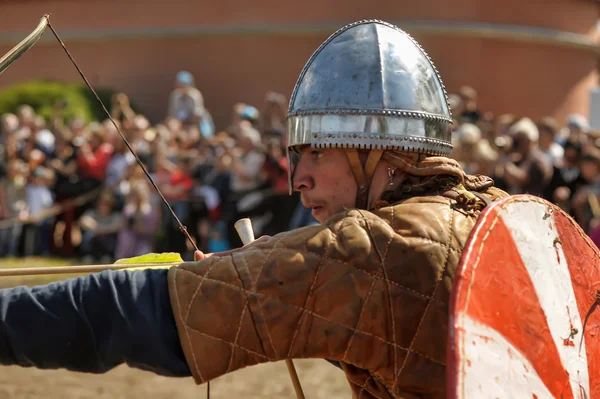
(239, 52)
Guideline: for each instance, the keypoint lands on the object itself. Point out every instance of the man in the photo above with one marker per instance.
(93, 158)
(470, 113)
(526, 169)
(548, 129)
(186, 104)
(100, 227)
(367, 289)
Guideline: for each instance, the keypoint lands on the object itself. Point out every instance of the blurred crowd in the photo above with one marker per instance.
(555, 160)
(75, 190)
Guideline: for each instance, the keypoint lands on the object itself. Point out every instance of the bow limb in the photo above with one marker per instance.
(24, 45)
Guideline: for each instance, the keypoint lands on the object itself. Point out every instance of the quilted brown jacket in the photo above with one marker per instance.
(367, 289)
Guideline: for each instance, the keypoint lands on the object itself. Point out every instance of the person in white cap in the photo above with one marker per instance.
(186, 104)
(526, 169)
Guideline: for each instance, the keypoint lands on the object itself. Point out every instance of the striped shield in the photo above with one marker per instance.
(523, 319)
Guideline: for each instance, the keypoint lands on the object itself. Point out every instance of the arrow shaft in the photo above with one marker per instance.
(36, 271)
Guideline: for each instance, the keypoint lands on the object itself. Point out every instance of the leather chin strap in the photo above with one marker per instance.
(363, 174)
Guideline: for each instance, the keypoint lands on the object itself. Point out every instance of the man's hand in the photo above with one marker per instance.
(23, 216)
(199, 255)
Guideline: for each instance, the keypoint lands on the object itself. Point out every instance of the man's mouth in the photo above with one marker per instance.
(313, 206)
(316, 210)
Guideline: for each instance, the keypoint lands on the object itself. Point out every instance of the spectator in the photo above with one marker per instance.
(9, 123)
(39, 200)
(585, 213)
(205, 206)
(136, 237)
(186, 104)
(503, 124)
(99, 230)
(470, 112)
(66, 183)
(275, 113)
(467, 139)
(526, 169)
(93, 158)
(13, 205)
(44, 138)
(217, 241)
(244, 116)
(577, 128)
(456, 106)
(121, 108)
(118, 165)
(247, 178)
(566, 179)
(548, 129)
(281, 204)
(249, 166)
(26, 116)
(177, 191)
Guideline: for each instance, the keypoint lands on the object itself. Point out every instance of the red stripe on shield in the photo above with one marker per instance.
(584, 268)
(506, 287)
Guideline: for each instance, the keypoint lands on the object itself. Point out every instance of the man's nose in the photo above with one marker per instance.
(302, 178)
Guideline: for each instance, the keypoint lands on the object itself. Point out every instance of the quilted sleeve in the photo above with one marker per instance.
(300, 294)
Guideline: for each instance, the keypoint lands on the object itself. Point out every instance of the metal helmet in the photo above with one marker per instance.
(370, 86)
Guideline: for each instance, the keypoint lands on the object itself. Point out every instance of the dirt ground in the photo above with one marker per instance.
(319, 380)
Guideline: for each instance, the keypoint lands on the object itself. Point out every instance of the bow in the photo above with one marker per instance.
(29, 42)
(24, 45)
(8, 59)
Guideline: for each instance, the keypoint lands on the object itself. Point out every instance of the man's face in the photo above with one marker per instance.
(94, 142)
(104, 208)
(589, 170)
(325, 181)
(571, 155)
(10, 123)
(26, 117)
(546, 138)
(521, 143)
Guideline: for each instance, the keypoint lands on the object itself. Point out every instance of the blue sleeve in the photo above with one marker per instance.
(93, 324)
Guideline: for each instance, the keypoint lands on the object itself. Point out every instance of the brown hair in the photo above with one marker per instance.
(415, 186)
(548, 124)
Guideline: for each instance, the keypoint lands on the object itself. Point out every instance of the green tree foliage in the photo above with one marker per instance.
(42, 95)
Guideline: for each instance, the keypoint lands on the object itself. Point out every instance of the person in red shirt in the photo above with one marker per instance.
(180, 182)
(281, 204)
(177, 191)
(94, 157)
